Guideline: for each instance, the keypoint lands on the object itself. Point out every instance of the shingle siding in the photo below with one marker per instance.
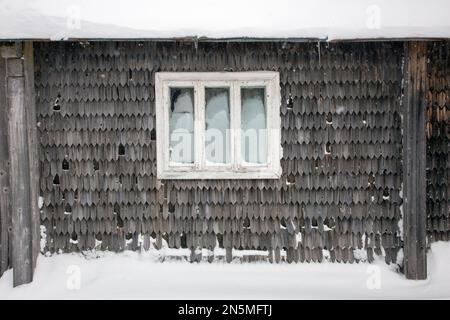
(438, 143)
(344, 98)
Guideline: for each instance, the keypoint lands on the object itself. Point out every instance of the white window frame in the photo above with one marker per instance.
(234, 80)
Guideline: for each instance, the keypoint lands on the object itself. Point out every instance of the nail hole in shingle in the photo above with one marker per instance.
(290, 179)
(371, 180)
(329, 118)
(316, 164)
(283, 223)
(153, 135)
(328, 224)
(96, 165)
(57, 104)
(290, 103)
(121, 150)
(65, 165)
(116, 209)
(183, 241)
(67, 209)
(328, 148)
(119, 221)
(56, 180)
(246, 223)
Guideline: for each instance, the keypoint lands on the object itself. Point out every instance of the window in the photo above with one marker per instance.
(218, 125)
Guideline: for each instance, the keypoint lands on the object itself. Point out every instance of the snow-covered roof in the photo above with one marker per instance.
(270, 19)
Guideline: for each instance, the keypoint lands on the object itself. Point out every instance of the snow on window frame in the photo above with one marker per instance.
(236, 168)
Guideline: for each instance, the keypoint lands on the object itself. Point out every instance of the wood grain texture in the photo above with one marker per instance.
(33, 143)
(5, 209)
(20, 182)
(20, 161)
(414, 160)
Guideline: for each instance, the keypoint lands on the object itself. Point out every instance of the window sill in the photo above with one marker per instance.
(226, 175)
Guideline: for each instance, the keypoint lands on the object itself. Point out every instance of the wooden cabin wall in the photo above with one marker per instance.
(438, 142)
(341, 138)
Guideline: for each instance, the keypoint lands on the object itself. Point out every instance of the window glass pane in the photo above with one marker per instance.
(253, 125)
(181, 125)
(217, 125)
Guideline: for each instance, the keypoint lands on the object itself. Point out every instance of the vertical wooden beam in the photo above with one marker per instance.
(5, 209)
(20, 179)
(414, 160)
(19, 117)
(32, 132)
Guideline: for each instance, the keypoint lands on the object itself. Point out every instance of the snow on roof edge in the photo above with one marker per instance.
(321, 20)
(235, 39)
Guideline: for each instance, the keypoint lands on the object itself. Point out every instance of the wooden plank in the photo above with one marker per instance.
(5, 217)
(19, 181)
(31, 121)
(414, 161)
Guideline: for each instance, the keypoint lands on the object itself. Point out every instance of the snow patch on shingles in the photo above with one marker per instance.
(43, 234)
(40, 202)
(135, 275)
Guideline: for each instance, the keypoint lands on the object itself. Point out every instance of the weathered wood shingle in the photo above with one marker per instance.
(438, 142)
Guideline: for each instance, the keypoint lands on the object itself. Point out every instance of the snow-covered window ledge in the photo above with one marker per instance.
(218, 125)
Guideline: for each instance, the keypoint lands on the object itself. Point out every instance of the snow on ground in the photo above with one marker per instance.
(318, 19)
(133, 275)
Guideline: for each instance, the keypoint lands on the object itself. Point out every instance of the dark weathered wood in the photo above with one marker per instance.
(5, 209)
(31, 123)
(414, 161)
(228, 254)
(20, 183)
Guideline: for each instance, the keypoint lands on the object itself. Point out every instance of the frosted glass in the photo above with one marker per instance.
(217, 125)
(181, 125)
(253, 125)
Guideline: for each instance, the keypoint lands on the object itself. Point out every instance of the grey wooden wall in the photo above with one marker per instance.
(341, 135)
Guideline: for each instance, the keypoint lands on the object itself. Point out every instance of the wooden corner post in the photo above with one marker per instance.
(5, 208)
(414, 160)
(21, 132)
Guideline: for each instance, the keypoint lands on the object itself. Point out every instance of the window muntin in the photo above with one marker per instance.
(235, 114)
